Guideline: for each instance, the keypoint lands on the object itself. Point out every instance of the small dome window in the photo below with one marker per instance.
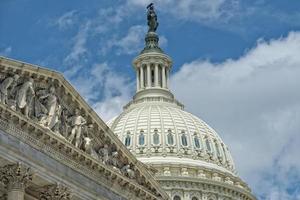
(208, 147)
(217, 149)
(170, 137)
(141, 138)
(184, 139)
(176, 197)
(155, 137)
(197, 142)
(128, 139)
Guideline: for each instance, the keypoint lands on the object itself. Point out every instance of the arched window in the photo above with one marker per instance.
(128, 139)
(170, 137)
(194, 198)
(183, 139)
(217, 149)
(141, 138)
(197, 142)
(208, 147)
(155, 137)
(176, 197)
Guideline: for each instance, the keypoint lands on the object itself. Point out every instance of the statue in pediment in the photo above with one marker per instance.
(104, 154)
(50, 102)
(87, 144)
(127, 171)
(76, 122)
(24, 96)
(115, 161)
(9, 82)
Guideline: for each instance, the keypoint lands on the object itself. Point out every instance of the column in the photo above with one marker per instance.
(163, 74)
(137, 80)
(55, 192)
(167, 78)
(156, 75)
(16, 177)
(148, 75)
(142, 76)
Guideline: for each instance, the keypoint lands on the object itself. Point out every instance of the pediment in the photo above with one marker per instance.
(43, 104)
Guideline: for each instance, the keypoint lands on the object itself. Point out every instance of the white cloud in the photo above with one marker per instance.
(131, 43)
(254, 103)
(66, 20)
(105, 89)
(6, 51)
(78, 51)
(117, 91)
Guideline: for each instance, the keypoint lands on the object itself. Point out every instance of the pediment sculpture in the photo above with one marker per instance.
(45, 104)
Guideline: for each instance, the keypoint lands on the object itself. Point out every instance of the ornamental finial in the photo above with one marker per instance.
(152, 18)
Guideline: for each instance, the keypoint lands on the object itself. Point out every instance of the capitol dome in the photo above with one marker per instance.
(162, 132)
(188, 157)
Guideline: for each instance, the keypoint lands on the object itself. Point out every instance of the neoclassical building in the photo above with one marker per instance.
(53, 146)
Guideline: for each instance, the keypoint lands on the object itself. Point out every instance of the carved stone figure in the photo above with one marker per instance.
(127, 171)
(152, 18)
(9, 82)
(76, 122)
(115, 161)
(49, 100)
(24, 96)
(64, 126)
(104, 154)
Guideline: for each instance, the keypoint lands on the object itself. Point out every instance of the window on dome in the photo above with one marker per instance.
(197, 142)
(194, 198)
(141, 138)
(155, 137)
(183, 140)
(176, 198)
(170, 138)
(208, 147)
(217, 149)
(127, 139)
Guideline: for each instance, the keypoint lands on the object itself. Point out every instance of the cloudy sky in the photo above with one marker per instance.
(236, 66)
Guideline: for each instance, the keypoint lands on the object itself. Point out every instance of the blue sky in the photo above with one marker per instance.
(239, 57)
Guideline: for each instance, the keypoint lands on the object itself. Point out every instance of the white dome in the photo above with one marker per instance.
(160, 131)
(188, 157)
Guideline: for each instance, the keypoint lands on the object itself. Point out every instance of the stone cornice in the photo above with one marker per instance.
(104, 135)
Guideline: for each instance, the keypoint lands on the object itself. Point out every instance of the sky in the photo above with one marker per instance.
(236, 66)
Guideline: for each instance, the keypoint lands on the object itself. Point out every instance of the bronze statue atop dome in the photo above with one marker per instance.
(152, 18)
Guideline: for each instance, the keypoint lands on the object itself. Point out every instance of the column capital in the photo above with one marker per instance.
(55, 192)
(15, 176)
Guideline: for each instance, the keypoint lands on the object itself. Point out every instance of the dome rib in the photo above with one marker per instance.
(187, 132)
(175, 128)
